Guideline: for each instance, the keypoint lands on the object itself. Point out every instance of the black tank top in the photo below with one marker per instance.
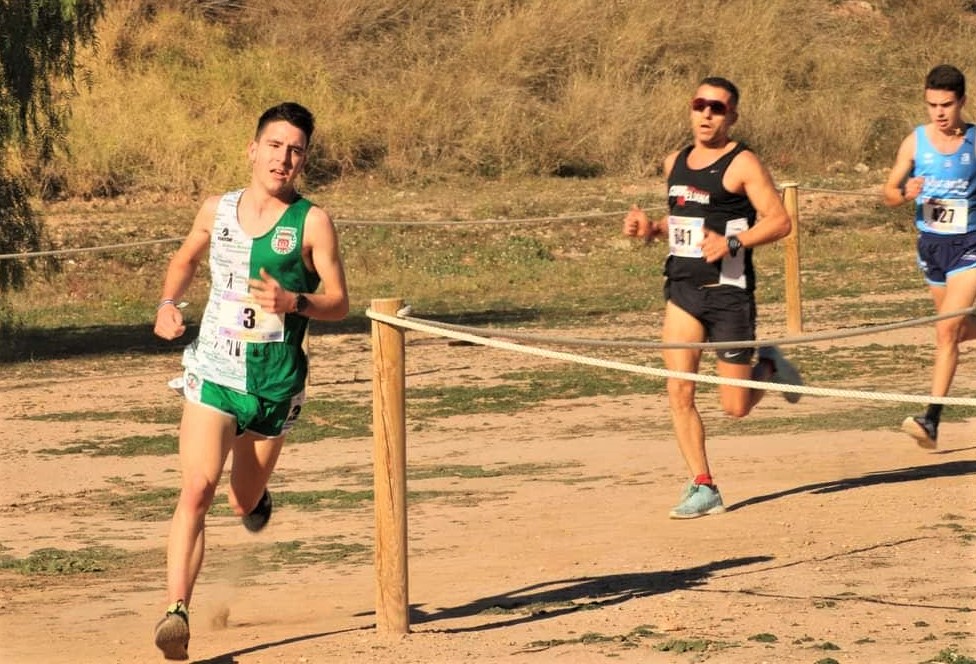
(700, 194)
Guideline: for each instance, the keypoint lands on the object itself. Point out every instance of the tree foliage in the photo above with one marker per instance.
(19, 231)
(38, 43)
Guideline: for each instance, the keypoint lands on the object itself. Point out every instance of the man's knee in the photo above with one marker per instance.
(197, 494)
(736, 406)
(737, 411)
(951, 331)
(681, 395)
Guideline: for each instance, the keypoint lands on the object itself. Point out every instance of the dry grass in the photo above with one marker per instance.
(454, 111)
(546, 274)
(412, 91)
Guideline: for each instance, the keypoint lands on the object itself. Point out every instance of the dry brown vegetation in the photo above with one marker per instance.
(419, 90)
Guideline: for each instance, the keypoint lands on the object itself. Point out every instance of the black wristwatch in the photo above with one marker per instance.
(301, 303)
(734, 245)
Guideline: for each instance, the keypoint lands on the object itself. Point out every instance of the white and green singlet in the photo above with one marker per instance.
(240, 346)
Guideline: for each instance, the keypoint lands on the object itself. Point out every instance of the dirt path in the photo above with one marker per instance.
(851, 545)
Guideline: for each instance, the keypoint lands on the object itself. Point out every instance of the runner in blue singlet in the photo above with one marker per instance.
(935, 169)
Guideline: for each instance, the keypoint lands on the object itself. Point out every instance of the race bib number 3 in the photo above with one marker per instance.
(947, 216)
(685, 235)
(242, 319)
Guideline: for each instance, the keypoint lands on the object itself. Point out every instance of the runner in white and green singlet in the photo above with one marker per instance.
(275, 263)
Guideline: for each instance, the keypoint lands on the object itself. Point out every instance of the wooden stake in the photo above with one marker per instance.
(390, 471)
(794, 305)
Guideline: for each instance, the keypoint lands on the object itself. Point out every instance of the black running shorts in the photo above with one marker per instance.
(728, 313)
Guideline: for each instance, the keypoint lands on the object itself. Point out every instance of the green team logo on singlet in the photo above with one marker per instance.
(284, 240)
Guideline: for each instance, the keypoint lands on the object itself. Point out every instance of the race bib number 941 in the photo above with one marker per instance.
(685, 235)
(239, 317)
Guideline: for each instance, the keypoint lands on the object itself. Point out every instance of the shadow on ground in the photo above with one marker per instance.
(551, 599)
(541, 601)
(229, 658)
(910, 474)
(34, 344)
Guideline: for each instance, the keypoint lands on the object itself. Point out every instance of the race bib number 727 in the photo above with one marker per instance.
(948, 216)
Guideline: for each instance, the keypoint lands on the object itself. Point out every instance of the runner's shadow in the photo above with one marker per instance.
(229, 658)
(552, 599)
(955, 450)
(71, 341)
(539, 601)
(911, 474)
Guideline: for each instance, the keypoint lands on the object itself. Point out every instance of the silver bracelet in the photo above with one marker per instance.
(163, 303)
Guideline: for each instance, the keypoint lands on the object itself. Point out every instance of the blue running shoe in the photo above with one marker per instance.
(784, 372)
(699, 500)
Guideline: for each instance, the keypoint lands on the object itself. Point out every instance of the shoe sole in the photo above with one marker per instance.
(788, 375)
(921, 436)
(173, 637)
(784, 373)
(792, 397)
(718, 509)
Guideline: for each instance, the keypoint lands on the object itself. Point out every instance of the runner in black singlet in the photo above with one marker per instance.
(722, 203)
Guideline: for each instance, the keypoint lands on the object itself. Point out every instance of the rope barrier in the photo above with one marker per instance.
(398, 321)
(472, 222)
(390, 222)
(79, 250)
(838, 192)
(342, 222)
(712, 345)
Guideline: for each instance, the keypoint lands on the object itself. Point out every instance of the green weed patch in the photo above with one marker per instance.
(692, 645)
(629, 640)
(523, 389)
(331, 418)
(122, 447)
(61, 562)
(159, 415)
(301, 553)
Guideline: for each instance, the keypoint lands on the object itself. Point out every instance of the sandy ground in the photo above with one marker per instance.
(851, 545)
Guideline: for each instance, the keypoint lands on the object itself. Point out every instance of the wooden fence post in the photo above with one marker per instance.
(390, 471)
(794, 304)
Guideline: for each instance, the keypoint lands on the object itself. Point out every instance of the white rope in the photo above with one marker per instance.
(710, 345)
(664, 373)
(472, 222)
(79, 250)
(340, 222)
(841, 192)
(381, 222)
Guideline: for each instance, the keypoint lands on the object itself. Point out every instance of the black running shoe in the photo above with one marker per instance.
(260, 515)
(923, 430)
(172, 634)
